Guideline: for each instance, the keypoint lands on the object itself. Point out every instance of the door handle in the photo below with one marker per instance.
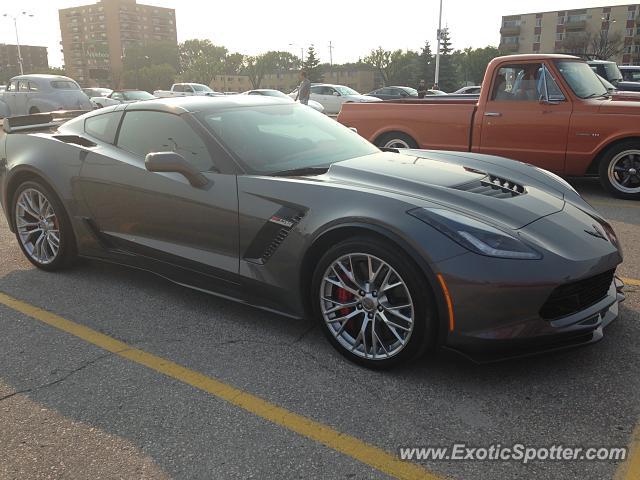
(492, 114)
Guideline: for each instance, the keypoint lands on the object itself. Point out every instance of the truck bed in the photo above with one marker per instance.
(440, 123)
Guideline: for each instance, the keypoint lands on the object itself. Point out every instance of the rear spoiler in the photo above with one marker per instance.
(39, 121)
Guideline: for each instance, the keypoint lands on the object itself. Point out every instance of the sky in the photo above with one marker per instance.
(354, 27)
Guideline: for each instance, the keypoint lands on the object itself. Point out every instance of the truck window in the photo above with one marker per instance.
(523, 83)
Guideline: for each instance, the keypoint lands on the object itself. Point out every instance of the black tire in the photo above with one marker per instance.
(396, 140)
(611, 180)
(67, 251)
(423, 336)
(33, 110)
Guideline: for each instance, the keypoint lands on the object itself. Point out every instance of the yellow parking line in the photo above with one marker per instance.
(630, 470)
(340, 442)
(631, 281)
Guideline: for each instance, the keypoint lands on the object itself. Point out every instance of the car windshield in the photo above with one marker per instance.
(272, 138)
(411, 91)
(65, 85)
(271, 93)
(201, 88)
(582, 80)
(138, 95)
(346, 90)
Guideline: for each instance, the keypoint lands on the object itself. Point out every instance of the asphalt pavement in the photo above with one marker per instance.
(121, 374)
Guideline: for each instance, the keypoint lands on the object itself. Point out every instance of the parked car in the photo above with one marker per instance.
(619, 94)
(97, 92)
(611, 72)
(392, 254)
(393, 92)
(186, 90)
(469, 90)
(331, 97)
(121, 96)
(27, 94)
(277, 93)
(551, 111)
(2, 88)
(630, 73)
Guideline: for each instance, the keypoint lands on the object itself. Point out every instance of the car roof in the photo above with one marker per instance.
(599, 62)
(197, 103)
(36, 76)
(628, 67)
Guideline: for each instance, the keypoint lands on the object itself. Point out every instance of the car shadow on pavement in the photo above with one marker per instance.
(582, 396)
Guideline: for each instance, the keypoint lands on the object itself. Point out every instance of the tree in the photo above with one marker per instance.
(380, 59)
(194, 53)
(256, 67)
(604, 46)
(150, 78)
(471, 63)
(233, 64)
(311, 65)
(448, 80)
(426, 65)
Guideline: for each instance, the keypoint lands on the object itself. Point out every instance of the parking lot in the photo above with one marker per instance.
(107, 372)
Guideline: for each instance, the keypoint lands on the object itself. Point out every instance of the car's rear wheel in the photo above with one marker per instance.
(373, 303)
(620, 170)
(42, 228)
(33, 110)
(396, 140)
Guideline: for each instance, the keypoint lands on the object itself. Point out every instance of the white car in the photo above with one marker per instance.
(470, 90)
(267, 92)
(34, 93)
(121, 96)
(331, 97)
(186, 90)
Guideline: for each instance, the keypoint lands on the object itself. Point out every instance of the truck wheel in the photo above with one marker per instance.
(620, 170)
(396, 140)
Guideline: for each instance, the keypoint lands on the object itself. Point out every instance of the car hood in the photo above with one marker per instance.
(511, 193)
(623, 103)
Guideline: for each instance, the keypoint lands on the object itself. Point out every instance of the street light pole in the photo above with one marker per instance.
(15, 25)
(437, 76)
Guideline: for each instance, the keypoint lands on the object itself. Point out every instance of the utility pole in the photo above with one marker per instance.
(437, 77)
(15, 25)
(331, 47)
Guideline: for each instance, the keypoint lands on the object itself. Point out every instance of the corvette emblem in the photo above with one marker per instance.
(597, 232)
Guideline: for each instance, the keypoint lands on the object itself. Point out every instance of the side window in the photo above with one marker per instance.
(23, 86)
(517, 83)
(117, 96)
(317, 90)
(144, 132)
(33, 87)
(178, 88)
(188, 88)
(13, 87)
(103, 127)
(553, 92)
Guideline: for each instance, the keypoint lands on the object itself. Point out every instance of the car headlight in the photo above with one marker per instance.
(474, 235)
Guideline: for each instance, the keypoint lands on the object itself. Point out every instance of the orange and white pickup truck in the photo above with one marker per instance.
(551, 111)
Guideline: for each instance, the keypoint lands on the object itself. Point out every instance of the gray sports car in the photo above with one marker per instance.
(275, 205)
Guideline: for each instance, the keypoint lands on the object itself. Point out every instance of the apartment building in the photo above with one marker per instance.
(613, 31)
(361, 80)
(34, 60)
(95, 37)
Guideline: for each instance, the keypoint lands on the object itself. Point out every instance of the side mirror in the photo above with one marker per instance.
(174, 162)
(336, 94)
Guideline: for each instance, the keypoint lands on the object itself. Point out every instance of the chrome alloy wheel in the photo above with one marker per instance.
(367, 306)
(396, 143)
(37, 225)
(624, 171)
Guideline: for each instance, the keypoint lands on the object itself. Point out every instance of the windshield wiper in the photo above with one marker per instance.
(301, 171)
(598, 95)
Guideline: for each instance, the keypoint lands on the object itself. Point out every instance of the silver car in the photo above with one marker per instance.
(28, 94)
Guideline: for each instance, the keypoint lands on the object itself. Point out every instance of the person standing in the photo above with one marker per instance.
(422, 89)
(304, 90)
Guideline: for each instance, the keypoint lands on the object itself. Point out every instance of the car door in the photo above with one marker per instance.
(21, 98)
(519, 122)
(161, 217)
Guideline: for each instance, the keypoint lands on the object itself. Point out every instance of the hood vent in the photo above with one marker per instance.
(493, 186)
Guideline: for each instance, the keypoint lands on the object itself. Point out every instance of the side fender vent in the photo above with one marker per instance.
(272, 234)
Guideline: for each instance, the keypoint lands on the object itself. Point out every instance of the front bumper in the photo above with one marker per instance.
(580, 329)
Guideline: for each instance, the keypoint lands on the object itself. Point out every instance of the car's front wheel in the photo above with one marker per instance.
(373, 303)
(620, 170)
(42, 228)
